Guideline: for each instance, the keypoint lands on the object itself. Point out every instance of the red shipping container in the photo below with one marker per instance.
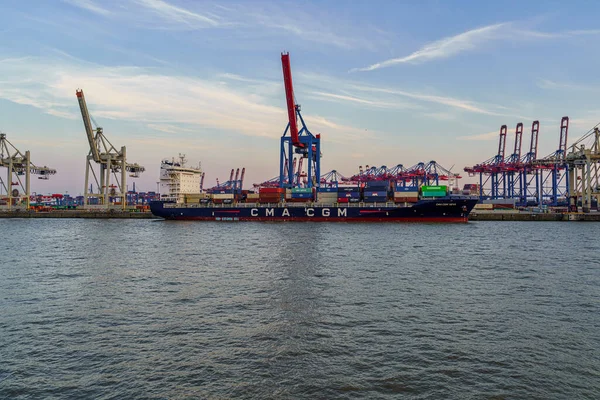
(271, 190)
(399, 199)
(343, 200)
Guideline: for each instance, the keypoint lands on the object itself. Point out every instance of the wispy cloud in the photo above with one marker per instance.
(165, 103)
(482, 136)
(172, 129)
(89, 5)
(443, 48)
(179, 15)
(250, 20)
(363, 101)
(471, 40)
(548, 84)
(387, 97)
(461, 104)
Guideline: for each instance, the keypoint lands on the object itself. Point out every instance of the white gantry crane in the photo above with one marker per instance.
(584, 170)
(18, 165)
(110, 160)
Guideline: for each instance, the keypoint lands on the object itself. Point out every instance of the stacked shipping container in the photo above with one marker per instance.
(327, 195)
(406, 194)
(271, 195)
(434, 191)
(348, 194)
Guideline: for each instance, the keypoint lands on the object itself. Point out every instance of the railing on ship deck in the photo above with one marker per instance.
(305, 205)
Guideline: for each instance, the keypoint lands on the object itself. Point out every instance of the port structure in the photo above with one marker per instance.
(234, 183)
(554, 172)
(584, 171)
(300, 143)
(333, 178)
(18, 166)
(110, 161)
(529, 171)
(430, 173)
(527, 180)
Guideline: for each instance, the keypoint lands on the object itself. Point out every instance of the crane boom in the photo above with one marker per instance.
(289, 96)
(235, 181)
(501, 144)
(562, 146)
(535, 129)
(242, 178)
(518, 140)
(88, 125)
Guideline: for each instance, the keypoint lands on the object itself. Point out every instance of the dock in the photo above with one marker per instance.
(92, 214)
(531, 216)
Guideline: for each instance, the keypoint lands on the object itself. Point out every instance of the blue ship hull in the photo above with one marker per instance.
(444, 209)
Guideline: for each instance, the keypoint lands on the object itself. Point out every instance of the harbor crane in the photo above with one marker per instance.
(530, 172)
(513, 166)
(492, 169)
(110, 160)
(584, 171)
(554, 171)
(300, 141)
(18, 165)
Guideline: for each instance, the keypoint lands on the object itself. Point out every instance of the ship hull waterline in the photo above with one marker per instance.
(439, 210)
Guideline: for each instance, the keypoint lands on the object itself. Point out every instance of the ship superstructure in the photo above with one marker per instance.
(178, 180)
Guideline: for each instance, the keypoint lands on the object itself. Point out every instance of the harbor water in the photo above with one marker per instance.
(125, 309)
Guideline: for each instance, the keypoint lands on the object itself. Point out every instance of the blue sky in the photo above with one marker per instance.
(384, 82)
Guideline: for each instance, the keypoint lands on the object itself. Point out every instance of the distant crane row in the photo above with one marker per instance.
(528, 180)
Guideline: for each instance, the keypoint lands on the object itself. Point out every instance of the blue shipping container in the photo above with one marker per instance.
(377, 184)
(355, 195)
(348, 189)
(327, 190)
(407, 189)
(376, 194)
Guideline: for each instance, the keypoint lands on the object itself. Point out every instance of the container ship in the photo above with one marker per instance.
(302, 194)
(354, 203)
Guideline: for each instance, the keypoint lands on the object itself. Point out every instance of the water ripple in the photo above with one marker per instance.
(164, 310)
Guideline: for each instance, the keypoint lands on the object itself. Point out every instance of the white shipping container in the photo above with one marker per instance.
(222, 196)
(406, 194)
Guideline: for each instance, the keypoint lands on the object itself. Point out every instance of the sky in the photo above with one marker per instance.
(383, 82)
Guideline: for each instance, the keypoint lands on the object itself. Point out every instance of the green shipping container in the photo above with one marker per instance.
(434, 193)
(434, 188)
(302, 190)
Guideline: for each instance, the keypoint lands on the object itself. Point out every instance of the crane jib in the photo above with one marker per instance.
(88, 125)
(289, 95)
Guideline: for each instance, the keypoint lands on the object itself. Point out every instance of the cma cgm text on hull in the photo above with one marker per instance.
(451, 209)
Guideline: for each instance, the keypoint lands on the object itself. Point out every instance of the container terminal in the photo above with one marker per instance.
(512, 186)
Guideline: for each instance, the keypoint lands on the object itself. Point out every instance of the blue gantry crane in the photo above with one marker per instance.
(300, 141)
